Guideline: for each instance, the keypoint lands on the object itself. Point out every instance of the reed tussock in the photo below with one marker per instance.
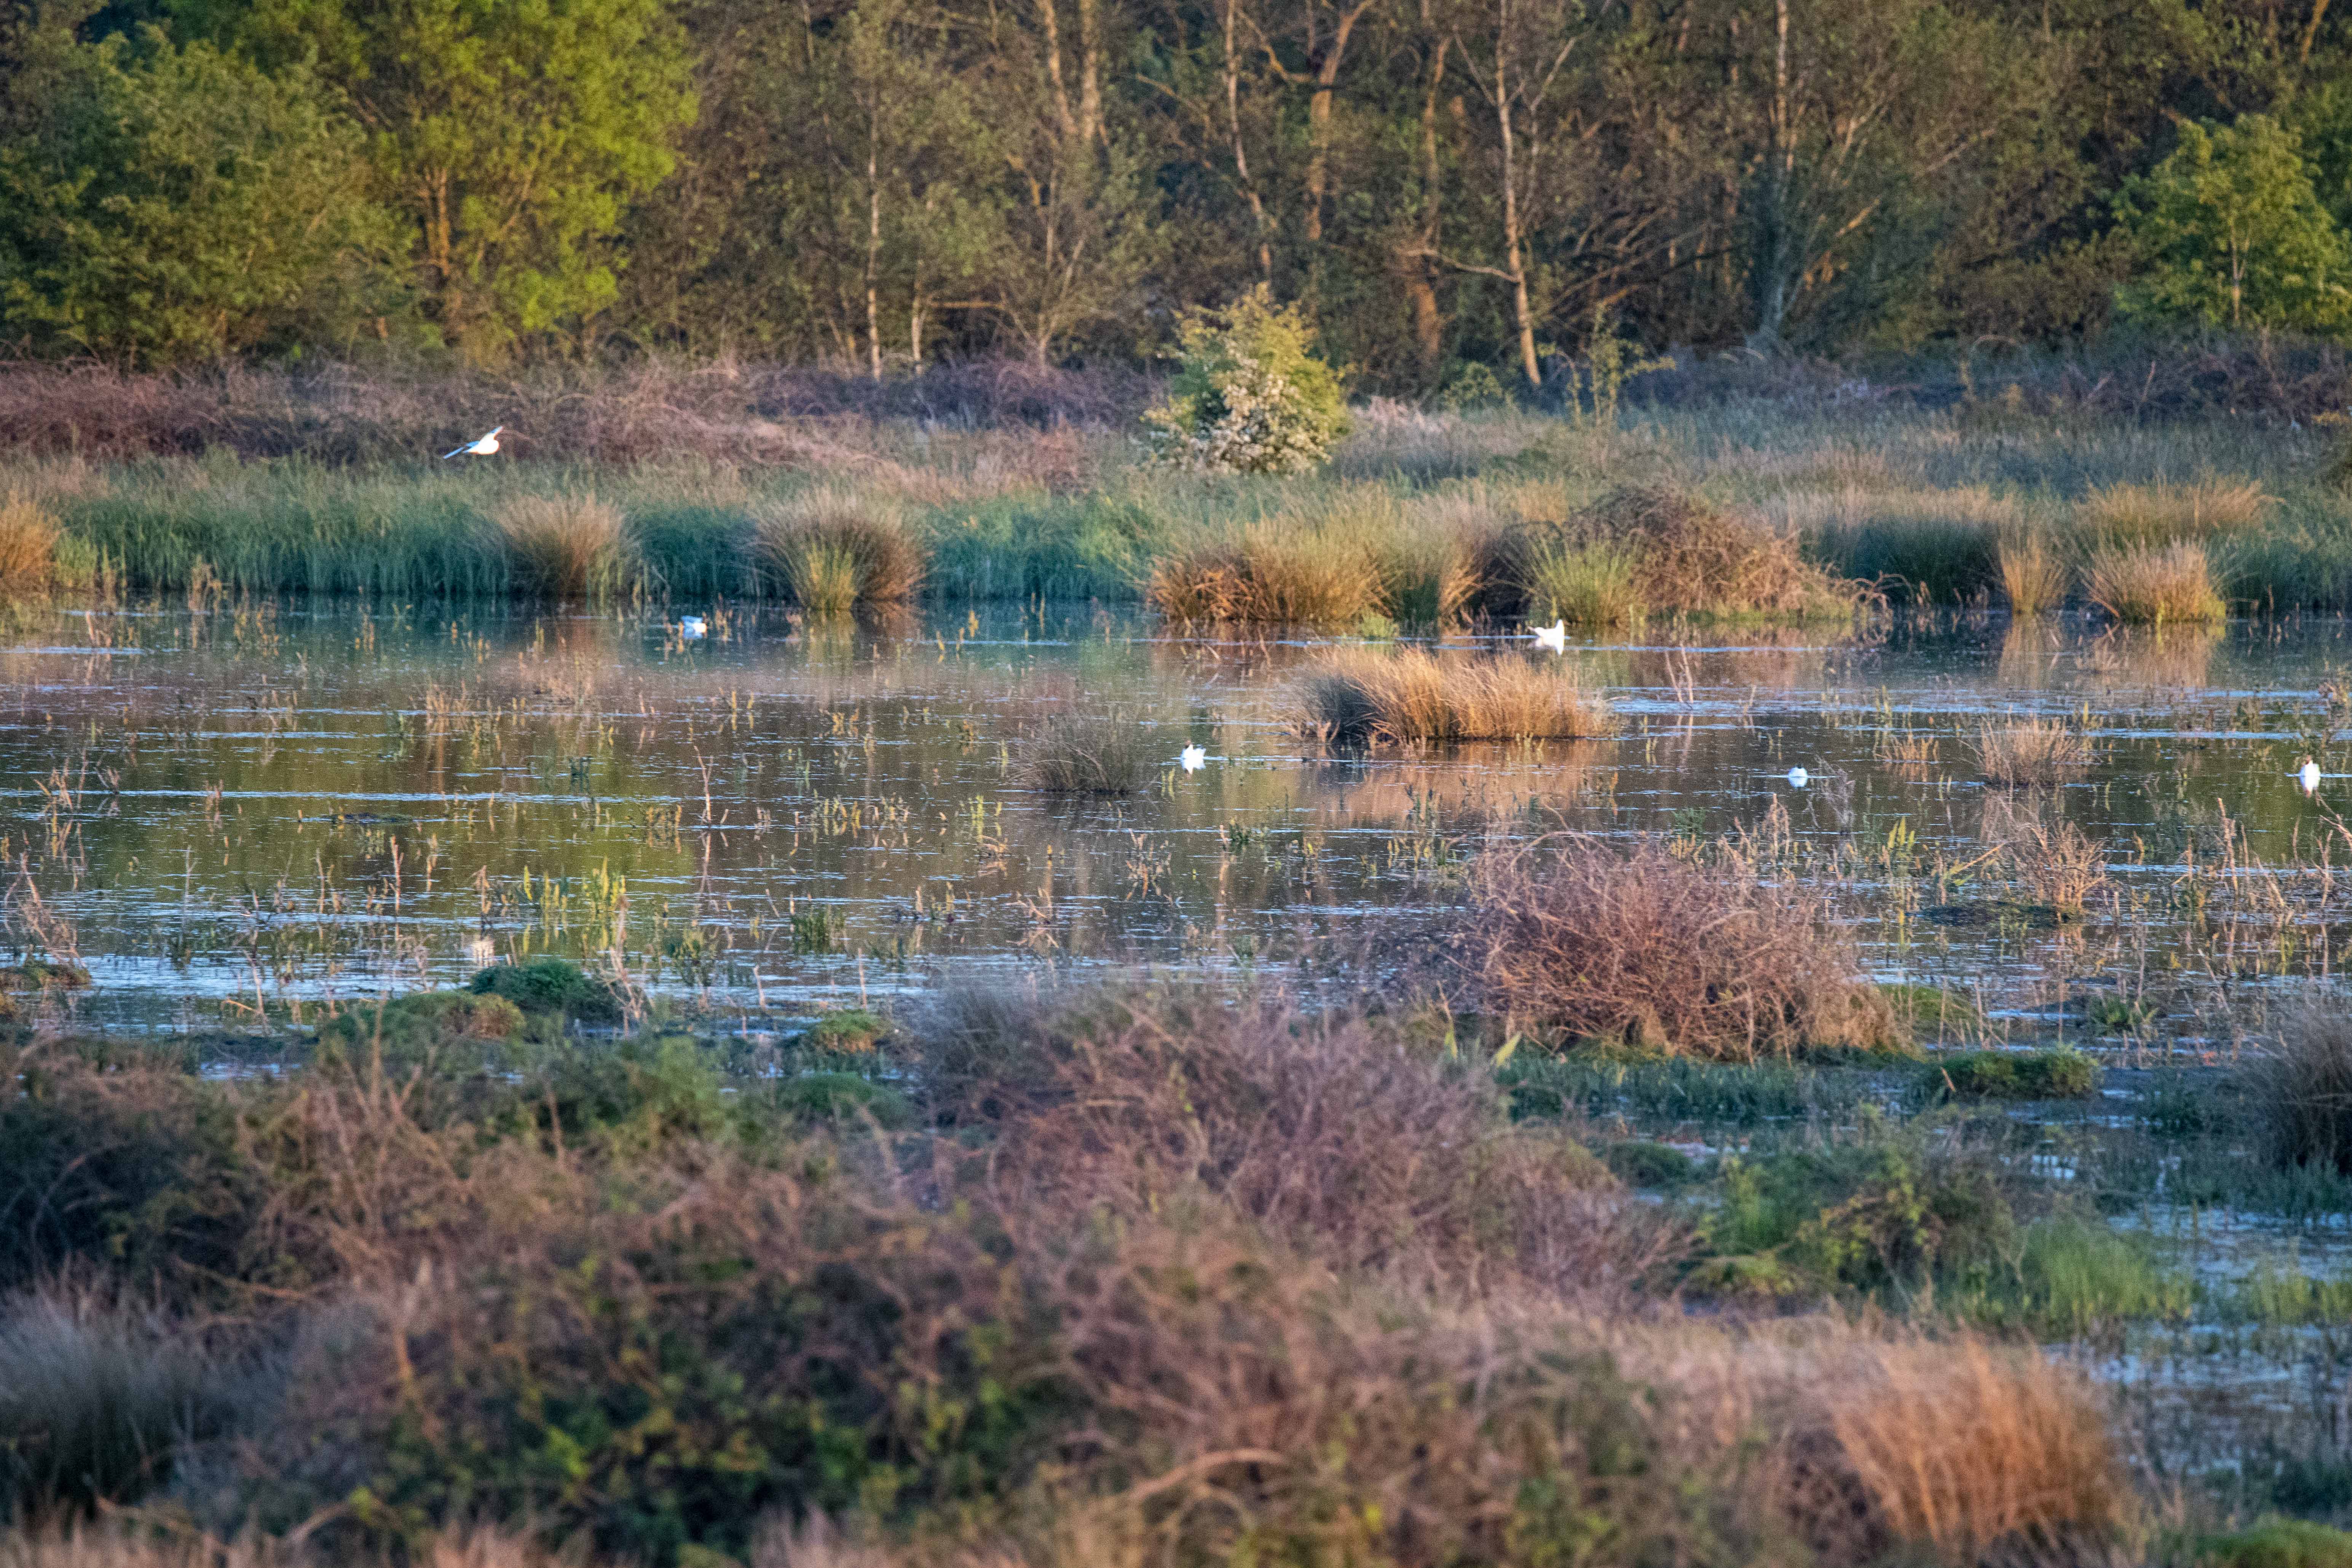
(1924, 545)
(2058, 864)
(1644, 947)
(2148, 516)
(564, 547)
(1368, 697)
(2300, 1090)
(832, 548)
(2148, 585)
(2033, 752)
(28, 545)
(1591, 585)
(1092, 754)
(2032, 576)
(1272, 573)
(1696, 559)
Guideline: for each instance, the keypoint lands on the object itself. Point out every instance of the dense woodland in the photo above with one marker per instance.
(1455, 191)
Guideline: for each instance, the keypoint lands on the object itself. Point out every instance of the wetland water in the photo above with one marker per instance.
(236, 809)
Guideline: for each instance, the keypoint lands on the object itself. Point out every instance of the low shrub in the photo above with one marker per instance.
(423, 1023)
(1638, 1164)
(1698, 560)
(2034, 751)
(1250, 397)
(2059, 1074)
(1411, 695)
(547, 984)
(1092, 754)
(1587, 942)
(832, 548)
(849, 1029)
(2155, 586)
(824, 1096)
(563, 547)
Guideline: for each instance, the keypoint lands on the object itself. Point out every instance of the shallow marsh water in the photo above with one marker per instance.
(240, 809)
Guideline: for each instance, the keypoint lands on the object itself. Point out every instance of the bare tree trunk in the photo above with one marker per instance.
(1089, 126)
(1773, 239)
(874, 244)
(1514, 253)
(1240, 152)
(1051, 21)
(1319, 111)
(1419, 267)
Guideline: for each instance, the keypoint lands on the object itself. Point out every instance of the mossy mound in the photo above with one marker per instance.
(2013, 1075)
(550, 985)
(849, 1032)
(44, 974)
(425, 1021)
(844, 1096)
(2281, 1543)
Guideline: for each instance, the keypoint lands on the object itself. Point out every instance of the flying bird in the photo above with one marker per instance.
(2308, 776)
(485, 446)
(1553, 637)
(1193, 759)
(691, 626)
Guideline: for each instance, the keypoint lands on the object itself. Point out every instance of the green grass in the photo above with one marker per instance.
(2011, 1075)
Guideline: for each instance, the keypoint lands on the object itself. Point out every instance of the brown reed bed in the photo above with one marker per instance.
(1368, 697)
(2032, 752)
(1584, 942)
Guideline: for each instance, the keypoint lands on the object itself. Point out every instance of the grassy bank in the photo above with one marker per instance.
(1420, 518)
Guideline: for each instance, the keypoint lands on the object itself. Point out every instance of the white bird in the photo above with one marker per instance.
(2308, 774)
(483, 448)
(1553, 637)
(1193, 759)
(691, 626)
(1799, 778)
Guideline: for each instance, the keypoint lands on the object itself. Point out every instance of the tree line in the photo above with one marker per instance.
(1454, 192)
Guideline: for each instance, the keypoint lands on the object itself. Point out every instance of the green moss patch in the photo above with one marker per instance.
(2013, 1075)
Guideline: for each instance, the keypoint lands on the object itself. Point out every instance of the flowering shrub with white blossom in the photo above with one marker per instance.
(1251, 397)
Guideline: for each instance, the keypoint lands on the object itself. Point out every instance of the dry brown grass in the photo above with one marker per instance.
(28, 545)
(563, 547)
(2300, 1088)
(2152, 515)
(2033, 752)
(1092, 754)
(836, 547)
(1583, 941)
(1274, 573)
(2032, 576)
(2056, 861)
(1696, 559)
(128, 1544)
(1367, 697)
(1914, 750)
(2155, 584)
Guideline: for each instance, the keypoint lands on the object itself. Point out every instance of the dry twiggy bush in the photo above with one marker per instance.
(1367, 697)
(2300, 1088)
(1586, 941)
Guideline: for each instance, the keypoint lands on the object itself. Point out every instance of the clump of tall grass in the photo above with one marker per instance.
(28, 545)
(2030, 752)
(2155, 584)
(563, 547)
(2151, 515)
(1092, 754)
(1274, 572)
(2032, 576)
(1367, 696)
(2060, 864)
(1696, 559)
(2300, 1090)
(96, 1402)
(1588, 585)
(1646, 947)
(1925, 546)
(832, 548)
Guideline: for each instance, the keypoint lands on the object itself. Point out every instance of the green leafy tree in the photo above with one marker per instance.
(508, 134)
(160, 206)
(1251, 397)
(2230, 232)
